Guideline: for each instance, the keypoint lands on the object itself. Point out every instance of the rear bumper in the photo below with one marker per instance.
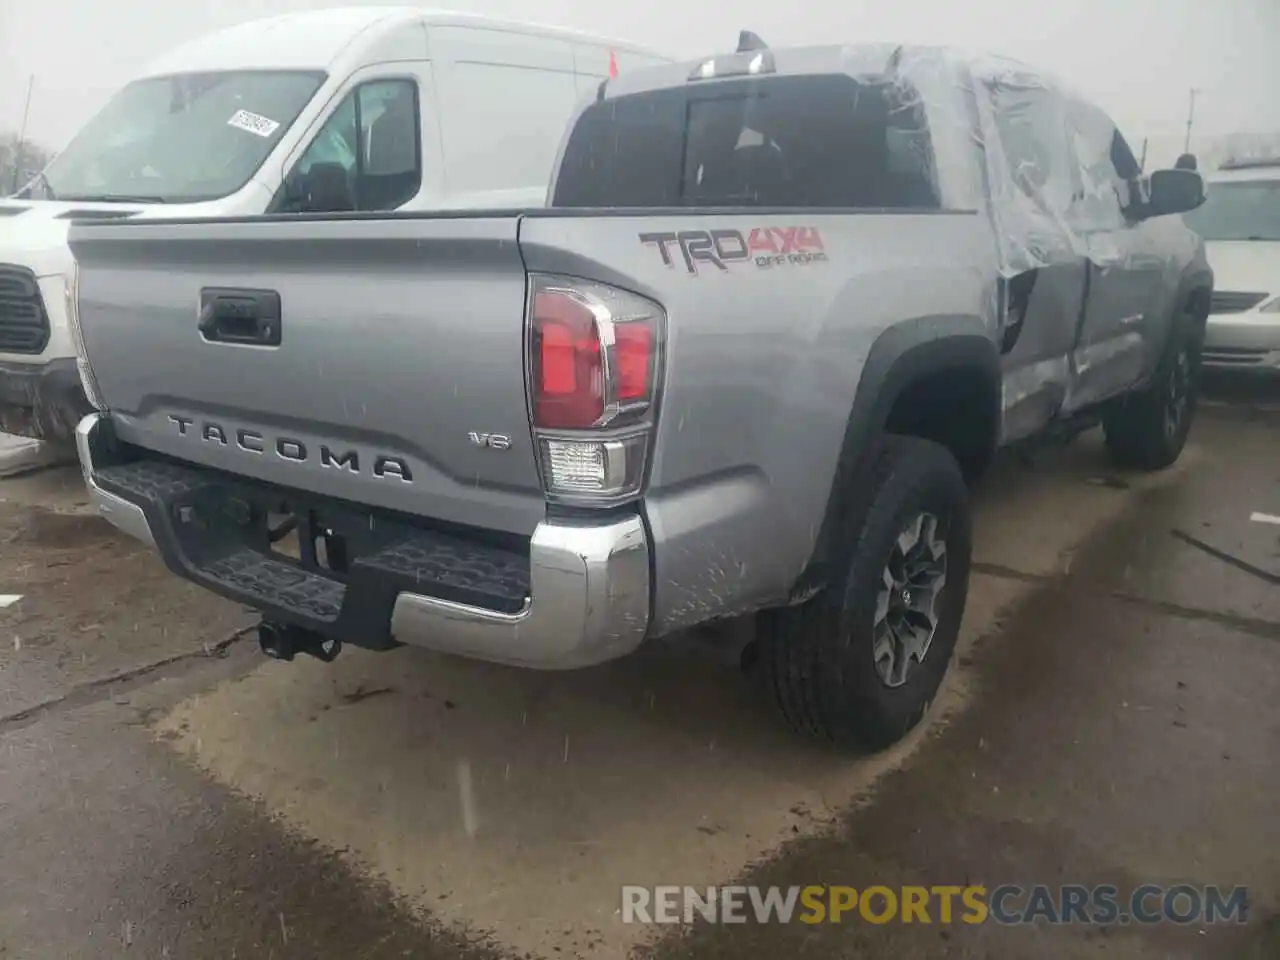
(42, 400)
(573, 595)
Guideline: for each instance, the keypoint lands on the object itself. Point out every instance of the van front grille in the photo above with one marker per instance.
(24, 324)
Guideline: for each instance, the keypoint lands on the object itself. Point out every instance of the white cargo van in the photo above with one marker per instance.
(356, 108)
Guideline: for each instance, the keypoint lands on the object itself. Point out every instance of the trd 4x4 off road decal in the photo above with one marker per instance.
(766, 247)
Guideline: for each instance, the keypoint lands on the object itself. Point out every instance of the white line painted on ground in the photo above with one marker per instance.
(9, 599)
(1264, 518)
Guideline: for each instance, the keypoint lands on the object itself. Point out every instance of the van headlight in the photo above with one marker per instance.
(71, 298)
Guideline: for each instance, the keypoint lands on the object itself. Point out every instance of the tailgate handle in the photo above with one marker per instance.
(240, 316)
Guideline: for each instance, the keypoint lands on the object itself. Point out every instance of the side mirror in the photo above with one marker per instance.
(1174, 191)
(326, 189)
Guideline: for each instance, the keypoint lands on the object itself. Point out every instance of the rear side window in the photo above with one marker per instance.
(816, 142)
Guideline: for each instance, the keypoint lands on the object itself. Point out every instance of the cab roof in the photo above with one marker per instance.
(316, 39)
(872, 60)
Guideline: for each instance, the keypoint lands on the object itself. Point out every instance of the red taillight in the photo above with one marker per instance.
(595, 362)
(568, 375)
(571, 388)
(635, 361)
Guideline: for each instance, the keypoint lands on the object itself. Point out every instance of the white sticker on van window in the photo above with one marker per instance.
(251, 122)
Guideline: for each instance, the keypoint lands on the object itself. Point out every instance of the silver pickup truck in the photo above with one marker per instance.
(783, 306)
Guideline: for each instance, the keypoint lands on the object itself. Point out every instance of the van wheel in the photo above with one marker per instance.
(859, 663)
(1147, 430)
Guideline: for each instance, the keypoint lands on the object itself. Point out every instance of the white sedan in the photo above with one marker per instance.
(1240, 223)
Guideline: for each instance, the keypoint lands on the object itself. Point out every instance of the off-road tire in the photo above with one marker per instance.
(1137, 427)
(815, 660)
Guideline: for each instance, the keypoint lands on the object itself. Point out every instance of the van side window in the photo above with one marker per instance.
(367, 156)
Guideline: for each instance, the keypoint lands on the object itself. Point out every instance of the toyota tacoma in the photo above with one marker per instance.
(781, 309)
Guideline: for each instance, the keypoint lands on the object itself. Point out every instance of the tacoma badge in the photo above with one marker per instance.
(289, 448)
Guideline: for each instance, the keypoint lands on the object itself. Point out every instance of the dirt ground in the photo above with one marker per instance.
(1112, 713)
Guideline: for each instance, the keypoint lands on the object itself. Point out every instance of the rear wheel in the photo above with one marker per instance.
(859, 663)
(1147, 430)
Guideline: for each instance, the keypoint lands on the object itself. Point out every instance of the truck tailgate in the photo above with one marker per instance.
(400, 348)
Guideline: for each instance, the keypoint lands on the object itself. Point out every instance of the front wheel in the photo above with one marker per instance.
(859, 664)
(1147, 430)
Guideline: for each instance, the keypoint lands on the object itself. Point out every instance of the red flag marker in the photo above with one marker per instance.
(613, 65)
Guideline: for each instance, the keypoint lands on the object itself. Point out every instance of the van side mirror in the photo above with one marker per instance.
(1174, 191)
(326, 188)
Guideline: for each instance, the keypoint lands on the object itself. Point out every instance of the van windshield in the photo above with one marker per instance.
(1247, 210)
(180, 139)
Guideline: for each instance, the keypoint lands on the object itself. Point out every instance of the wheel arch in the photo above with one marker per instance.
(930, 350)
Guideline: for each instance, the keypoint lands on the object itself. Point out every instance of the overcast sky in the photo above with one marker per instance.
(1139, 58)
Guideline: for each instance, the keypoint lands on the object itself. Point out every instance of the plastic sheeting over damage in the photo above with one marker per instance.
(1057, 172)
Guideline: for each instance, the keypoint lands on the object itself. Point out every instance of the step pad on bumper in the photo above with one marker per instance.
(152, 480)
(497, 579)
(386, 555)
(254, 576)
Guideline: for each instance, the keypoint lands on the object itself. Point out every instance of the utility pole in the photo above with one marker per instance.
(1191, 116)
(22, 136)
(1142, 164)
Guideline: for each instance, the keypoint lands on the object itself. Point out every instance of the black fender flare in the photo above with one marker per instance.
(1195, 288)
(902, 355)
(1195, 292)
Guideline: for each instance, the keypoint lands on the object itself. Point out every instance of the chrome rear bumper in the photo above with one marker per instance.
(587, 598)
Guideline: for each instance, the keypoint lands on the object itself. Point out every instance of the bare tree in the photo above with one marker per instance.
(19, 162)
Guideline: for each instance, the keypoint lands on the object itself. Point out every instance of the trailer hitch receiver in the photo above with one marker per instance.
(284, 641)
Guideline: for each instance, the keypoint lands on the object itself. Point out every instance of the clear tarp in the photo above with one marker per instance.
(1057, 172)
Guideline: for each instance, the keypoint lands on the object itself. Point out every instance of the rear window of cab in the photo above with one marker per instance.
(802, 142)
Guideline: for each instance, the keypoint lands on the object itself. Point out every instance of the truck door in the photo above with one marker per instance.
(1125, 262)
(1030, 172)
